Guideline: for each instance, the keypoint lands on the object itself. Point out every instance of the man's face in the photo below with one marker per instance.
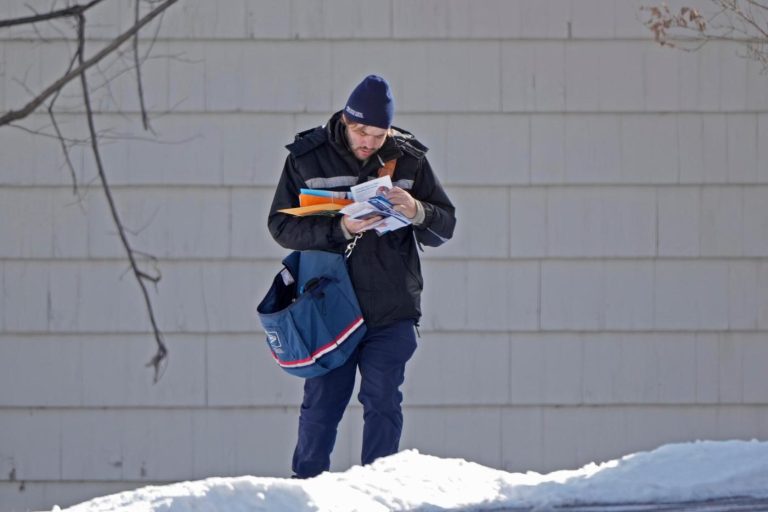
(365, 140)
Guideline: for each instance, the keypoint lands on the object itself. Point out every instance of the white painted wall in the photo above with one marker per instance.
(606, 290)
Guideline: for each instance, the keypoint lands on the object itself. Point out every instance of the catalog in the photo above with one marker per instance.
(377, 206)
(369, 189)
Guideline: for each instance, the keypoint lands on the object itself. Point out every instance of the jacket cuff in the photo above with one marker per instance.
(429, 215)
(420, 216)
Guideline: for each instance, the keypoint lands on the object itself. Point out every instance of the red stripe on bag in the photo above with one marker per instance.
(325, 348)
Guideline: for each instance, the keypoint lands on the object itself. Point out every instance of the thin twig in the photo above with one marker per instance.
(146, 255)
(104, 134)
(162, 352)
(144, 117)
(110, 95)
(108, 135)
(129, 68)
(48, 135)
(148, 277)
(65, 150)
(750, 20)
(64, 147)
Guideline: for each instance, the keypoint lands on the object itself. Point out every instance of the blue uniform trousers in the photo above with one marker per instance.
(381, 358)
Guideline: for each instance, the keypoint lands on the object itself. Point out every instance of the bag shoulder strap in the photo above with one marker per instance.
(388, 169)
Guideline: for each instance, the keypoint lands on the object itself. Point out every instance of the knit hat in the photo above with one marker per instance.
(371, 103)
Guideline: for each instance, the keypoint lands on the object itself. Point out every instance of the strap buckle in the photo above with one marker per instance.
(351, 245)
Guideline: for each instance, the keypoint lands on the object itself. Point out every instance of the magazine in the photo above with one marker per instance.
(377, 206)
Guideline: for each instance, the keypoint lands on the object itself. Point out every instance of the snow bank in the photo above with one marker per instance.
(412, 481)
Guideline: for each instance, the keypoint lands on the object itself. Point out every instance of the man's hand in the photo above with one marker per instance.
(358, 226)
(403, 201)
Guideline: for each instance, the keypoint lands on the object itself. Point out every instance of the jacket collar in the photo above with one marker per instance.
(338, 139)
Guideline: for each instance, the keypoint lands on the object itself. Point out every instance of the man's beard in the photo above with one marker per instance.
(363, 153)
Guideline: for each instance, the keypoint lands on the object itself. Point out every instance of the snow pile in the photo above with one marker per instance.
(412, 481)
(673, 473)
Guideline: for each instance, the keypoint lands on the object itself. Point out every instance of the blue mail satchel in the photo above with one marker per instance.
(311, 315)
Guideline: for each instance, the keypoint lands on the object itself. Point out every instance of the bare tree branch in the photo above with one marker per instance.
(741, 21)
(162, 351)
(71, 11)
(14, 115)
(81, 66)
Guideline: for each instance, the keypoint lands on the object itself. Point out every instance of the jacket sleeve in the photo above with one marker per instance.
(318, 232)
(439, 212)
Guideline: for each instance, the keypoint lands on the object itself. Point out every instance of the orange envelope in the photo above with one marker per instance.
(315, 209)
(310, 200)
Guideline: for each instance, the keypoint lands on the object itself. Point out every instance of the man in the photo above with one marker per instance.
(356, 145)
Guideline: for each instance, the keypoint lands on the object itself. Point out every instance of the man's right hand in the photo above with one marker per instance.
(358, 226)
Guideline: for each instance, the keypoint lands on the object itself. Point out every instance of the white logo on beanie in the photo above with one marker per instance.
(354, 112)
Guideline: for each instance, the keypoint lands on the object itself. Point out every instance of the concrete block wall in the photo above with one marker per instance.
(606, 290)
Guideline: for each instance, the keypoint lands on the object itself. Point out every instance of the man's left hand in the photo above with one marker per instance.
(403, 201)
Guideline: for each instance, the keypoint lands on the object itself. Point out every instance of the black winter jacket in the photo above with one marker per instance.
(385, 270)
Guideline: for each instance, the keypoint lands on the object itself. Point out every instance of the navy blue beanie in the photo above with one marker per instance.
(371, 103)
